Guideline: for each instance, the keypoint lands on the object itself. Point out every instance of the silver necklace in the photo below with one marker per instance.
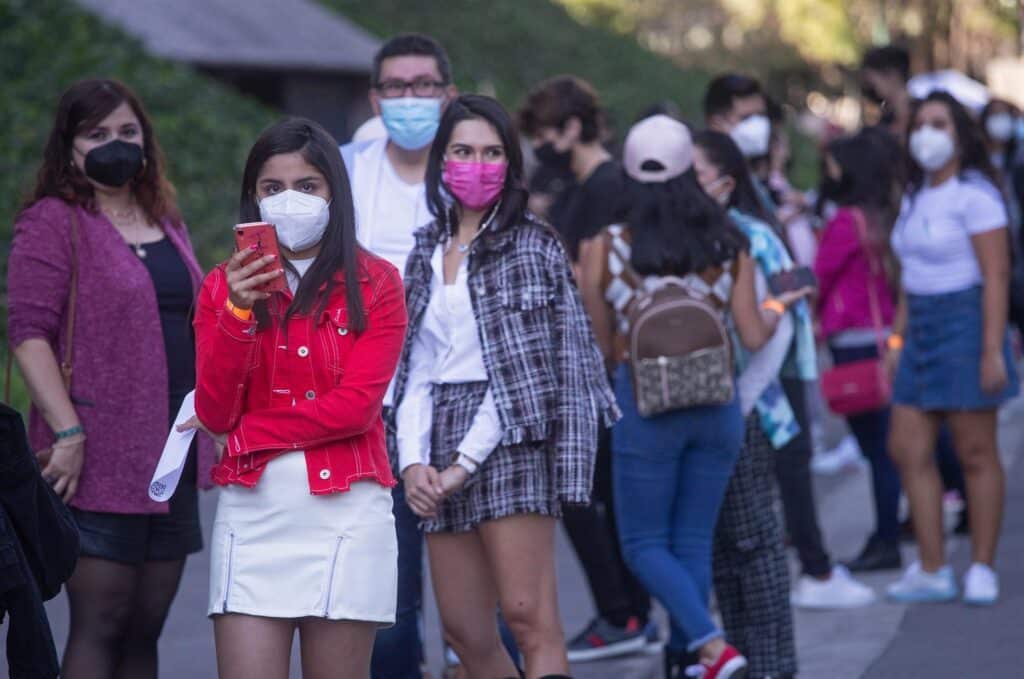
(463, 248)
(118, 218)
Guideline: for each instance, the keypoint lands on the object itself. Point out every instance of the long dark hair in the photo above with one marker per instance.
(82, 106)
(722, 152)
(971, 147)
(1010, 145)
(339, 249)
(512, 206)
(678, 229)
(871, 176)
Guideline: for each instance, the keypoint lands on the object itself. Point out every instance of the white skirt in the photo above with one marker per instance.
(278, 551)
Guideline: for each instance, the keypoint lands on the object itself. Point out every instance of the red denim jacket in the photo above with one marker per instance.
(313, 385)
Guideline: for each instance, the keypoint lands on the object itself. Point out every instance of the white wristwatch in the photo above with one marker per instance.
(467, 463)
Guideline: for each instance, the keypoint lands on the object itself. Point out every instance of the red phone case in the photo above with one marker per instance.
(264, 237)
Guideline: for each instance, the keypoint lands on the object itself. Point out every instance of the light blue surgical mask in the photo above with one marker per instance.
(411, 121)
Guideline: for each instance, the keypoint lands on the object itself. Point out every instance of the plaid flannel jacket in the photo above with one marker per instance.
(544, 367)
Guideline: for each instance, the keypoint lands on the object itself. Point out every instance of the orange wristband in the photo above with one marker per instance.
(775, 305)
(894, 342)
(240, 314)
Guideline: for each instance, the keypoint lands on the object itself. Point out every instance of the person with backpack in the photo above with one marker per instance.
(660, 290)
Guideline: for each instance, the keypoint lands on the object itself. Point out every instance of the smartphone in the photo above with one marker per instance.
(793, 279)
(264, 237)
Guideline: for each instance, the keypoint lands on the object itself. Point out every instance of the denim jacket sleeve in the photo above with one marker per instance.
(355, 404)
(225, 353)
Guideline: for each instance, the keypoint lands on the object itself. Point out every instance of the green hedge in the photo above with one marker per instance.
(205, 129)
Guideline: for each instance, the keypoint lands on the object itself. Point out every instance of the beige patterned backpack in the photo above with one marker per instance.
(679, 348)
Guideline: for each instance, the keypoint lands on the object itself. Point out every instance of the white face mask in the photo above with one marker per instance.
(753, 135)
(1000, 126)
(931, 148)
(299, 218)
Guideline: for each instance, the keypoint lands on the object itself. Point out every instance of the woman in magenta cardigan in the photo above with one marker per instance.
(860, 180)
(101, 205)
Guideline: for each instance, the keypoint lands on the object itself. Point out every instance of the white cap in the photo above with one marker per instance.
(660, 139)
(371, 129)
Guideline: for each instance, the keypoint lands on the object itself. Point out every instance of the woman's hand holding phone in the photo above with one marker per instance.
(244, 281)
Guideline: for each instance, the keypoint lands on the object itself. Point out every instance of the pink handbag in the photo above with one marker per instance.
(861, 386)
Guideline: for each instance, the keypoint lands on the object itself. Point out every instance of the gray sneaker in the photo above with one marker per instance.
(601, 639)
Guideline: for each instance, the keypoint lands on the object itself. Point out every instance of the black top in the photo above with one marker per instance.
(174, 296)
(592, 205)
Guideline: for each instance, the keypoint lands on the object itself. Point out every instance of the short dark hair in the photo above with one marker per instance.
(413, 44)
(888, 58)
(724, 89)
(554, 101)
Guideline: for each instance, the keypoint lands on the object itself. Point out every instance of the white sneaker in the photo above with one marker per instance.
(981, 585)
(845, 454)
(839, 591)
(917, 586)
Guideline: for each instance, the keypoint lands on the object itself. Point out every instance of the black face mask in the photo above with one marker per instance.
(556, 160)
(114, 164)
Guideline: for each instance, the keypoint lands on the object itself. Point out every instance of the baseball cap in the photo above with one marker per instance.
(657, 149)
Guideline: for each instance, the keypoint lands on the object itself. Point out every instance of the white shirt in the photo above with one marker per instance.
(302, 266)
(398, 210)
(932, 237)
(446, 350)
(388, 211)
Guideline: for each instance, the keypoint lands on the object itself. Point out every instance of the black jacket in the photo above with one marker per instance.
(38, 551)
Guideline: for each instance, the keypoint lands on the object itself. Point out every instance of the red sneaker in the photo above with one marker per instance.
(730, 665)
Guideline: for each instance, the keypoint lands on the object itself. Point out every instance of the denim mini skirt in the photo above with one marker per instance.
(940, 366)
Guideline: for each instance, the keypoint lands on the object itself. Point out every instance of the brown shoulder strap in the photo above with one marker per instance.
(65, 364)
(69, 332)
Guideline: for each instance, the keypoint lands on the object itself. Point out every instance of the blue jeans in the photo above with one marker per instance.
(669, 476)
(398, 650)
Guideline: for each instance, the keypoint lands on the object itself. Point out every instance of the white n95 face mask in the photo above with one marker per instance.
(753, 135)
(1000, 126)
(299, 218)
(931, 148)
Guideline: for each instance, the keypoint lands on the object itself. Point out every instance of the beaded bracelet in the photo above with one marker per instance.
(69, 432)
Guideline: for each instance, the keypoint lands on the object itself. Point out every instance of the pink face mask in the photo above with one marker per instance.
(476, 185)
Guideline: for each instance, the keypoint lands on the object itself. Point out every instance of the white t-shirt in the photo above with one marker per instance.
(932, 237)
(399, 209)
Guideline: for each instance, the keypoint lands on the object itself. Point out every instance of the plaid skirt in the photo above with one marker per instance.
(518, 479)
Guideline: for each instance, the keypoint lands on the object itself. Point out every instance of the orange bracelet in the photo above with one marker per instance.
(894, 342)
(240, 314)
(775, 305)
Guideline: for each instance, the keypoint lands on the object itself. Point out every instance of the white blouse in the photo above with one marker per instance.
(446, 350)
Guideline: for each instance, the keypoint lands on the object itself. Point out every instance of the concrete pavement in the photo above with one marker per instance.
(881, 641)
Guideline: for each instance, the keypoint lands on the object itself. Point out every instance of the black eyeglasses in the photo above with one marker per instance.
(422, 87)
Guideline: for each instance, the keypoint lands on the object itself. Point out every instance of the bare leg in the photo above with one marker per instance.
(468, 599)
(252, 647)
(101, 595)
(912, 436)
(335, 648)
(974, 434)
(521, 551)
(158, 584)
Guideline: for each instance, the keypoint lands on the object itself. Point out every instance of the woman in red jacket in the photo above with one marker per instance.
(293, 383)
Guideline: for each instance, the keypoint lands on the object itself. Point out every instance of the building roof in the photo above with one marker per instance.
(260, 34)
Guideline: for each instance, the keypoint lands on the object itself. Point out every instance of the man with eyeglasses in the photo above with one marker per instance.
(412, 84)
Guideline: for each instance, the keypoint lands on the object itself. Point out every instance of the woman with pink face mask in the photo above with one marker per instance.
(499, 394)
